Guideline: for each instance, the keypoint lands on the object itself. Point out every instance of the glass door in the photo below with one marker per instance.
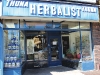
(54, 51)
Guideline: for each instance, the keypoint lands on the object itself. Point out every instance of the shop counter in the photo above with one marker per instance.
(15, 71)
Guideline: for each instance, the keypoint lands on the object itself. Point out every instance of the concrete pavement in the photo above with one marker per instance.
(59, 70)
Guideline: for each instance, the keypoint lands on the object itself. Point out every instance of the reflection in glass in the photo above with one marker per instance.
(22, 49)
(86, 45)
(10, 24)
(11, 42)
(54, 49)
(11, 48)
(84, 25)
(70, 25)
(37, 47)
(71, 46)
(36, 25)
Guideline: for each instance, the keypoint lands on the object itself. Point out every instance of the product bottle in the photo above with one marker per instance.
(5, 63)
(14, 38)
(13, 63)
(9, 64)
(18, 63)
(11, 57)
(15, 57)
(7, 57)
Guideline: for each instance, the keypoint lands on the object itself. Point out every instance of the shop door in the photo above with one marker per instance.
(54, 46)
(1, 49)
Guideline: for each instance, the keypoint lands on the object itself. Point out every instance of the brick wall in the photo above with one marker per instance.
(96, 42)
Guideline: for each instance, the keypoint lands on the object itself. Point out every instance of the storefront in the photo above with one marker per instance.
(46, 34)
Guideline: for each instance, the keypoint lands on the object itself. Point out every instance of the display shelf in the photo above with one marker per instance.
(11, 58)
(15, 71)
(14, 60)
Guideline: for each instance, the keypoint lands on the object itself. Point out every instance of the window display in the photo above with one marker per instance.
(11, 47)
(86, 45)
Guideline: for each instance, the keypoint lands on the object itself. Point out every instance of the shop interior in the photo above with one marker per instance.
(31, 46)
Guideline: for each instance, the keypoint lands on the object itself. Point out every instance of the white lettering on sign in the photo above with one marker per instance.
(32, 9)
(17, 3)
(65, 13)
(40, 9)
(53, 10)
(89, 9)
(79, 11)
(46, 10)
(60, 11)
(73, 9)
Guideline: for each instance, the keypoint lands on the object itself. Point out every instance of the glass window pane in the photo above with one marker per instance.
(11, 47)
(54, 49)
(71, 45)
(36, 25)
(10, 24)
(37, 46)
(22, 45)
(84, 25)
(70, 25)
(86, 45)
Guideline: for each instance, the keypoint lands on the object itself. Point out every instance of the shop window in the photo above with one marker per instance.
(71, 47)
(86, 45)
(37, 47)
(84, 25)
(11, 49)
(22, 46)
(70, 25)
(10, 24)
(33, 25)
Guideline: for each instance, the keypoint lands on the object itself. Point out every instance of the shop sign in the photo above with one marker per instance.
(49, 10)
(88, 1)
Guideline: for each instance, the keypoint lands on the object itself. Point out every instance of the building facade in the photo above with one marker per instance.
(48, 33)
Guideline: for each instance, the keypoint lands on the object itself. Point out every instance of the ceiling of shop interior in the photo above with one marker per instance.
(31, 33)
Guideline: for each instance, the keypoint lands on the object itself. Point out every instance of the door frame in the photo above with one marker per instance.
(57, 62)
(1, 49)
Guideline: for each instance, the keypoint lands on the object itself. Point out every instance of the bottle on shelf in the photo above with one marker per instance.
(15, 57)
(11, 57)
(18, 63)
(9, 46)
(5, 64)
(7, 57)
(9, 64)
(13, 64)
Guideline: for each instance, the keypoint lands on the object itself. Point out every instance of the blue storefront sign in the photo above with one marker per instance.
(50, 10)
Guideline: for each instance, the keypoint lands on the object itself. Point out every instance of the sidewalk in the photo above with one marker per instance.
(59, 70)
(92, 72)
